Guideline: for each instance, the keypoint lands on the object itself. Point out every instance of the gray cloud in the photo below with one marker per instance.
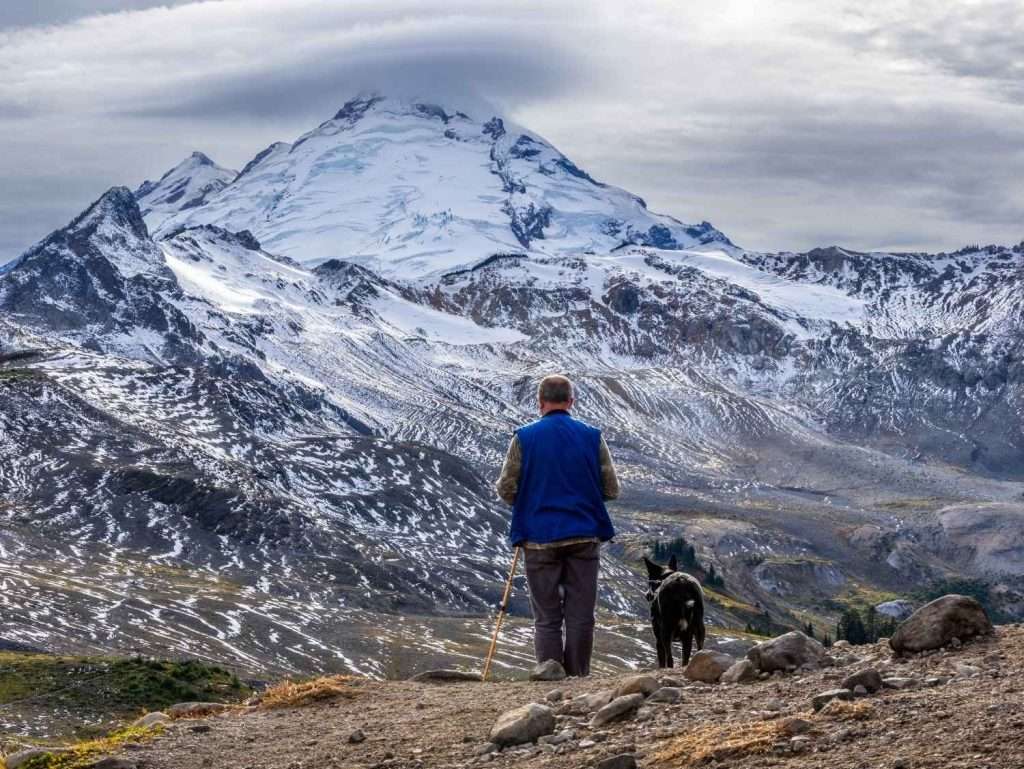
(834, 122)
(22, 13)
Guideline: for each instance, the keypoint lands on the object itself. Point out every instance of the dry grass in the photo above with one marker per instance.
(718, 743)
(84, 754)
(837, 710)
(289, 694)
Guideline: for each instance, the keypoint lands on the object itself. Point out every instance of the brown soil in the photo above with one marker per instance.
(974, 723)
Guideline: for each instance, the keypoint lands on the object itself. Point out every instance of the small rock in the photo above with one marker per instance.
(523, 724)
(899, 682)
(548, 670)
(821, 700)
(870, 679)
(666, 694)
(487, 747)
(774, 705)
(356, 737)
(445, 675)
(800, 744)
(555, 695)
(586, 703)
(621, 761)
(151, 720)
(109, 762)
(966, 671)
(860, 690)
(671, 681)
(584, 744)
(740, 672)
(618, 708)
(562, 737)
(200, 728)
(794, 725)
(899, 763)
(642, 684)
(708, 666)
(936, 681)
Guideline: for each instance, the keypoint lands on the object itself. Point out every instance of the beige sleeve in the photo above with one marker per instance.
(508, 481)
(609, 480)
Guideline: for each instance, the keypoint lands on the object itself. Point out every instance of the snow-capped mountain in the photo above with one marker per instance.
(259, 423)
(188, 185)
(411, 189)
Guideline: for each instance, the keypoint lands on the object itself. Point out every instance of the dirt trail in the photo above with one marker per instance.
(969, 722)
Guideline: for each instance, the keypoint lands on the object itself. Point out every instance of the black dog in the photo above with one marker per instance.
(677, 610)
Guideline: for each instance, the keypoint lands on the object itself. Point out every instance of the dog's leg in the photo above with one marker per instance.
(665, 641)
(658, 643)
(687, 646)
(700, 635)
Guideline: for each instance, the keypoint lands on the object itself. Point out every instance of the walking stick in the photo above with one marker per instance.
(501, 613)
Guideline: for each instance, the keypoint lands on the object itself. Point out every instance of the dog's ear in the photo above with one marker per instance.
(654, 571)
(673, 564)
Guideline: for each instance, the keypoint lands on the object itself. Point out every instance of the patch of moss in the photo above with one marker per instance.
(83, 754)
(105, 691)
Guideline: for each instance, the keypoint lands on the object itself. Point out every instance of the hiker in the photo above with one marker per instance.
(557, 475)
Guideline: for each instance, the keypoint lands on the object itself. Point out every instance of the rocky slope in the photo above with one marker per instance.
(261, 417)
(962, 707)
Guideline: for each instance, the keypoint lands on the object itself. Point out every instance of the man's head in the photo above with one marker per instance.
(555, 392)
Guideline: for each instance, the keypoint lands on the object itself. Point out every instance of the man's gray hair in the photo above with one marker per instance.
(555, 388)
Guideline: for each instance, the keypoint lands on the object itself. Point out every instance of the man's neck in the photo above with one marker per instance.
(554, 408)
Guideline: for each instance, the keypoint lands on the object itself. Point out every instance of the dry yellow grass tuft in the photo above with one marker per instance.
(837, 710)
(718, 743)
(289, 694)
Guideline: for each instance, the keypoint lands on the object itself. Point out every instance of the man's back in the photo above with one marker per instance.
(560, 493)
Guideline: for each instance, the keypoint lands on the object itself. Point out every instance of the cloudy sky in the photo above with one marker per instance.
(875, 125)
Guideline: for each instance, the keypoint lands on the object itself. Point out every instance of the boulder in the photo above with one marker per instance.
(787, 652)
(899, 610)
(667, 694)
(936, 624)
(821, 700)
(618, 708)
(151, 720)
(740, 672)
(870, 679)
(642, 684)
(523, 724)
(548, 670)
(708, 666)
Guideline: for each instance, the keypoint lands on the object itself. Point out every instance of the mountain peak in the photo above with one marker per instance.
(185, 186)
(117, 207)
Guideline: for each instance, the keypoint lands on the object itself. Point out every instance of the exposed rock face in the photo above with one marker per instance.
(787, 652)
(936, 624)
(524, 724)
(708, 666)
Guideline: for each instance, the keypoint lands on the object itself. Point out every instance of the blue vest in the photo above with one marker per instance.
(559, 494)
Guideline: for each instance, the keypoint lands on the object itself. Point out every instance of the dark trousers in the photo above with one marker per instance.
(563, 592)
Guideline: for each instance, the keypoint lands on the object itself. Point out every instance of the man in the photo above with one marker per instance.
(557, 475)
